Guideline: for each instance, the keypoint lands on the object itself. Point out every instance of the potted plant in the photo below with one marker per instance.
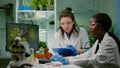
(34, 4)
(44, 4)
(43, 44)
(38, 4)
(51, 3)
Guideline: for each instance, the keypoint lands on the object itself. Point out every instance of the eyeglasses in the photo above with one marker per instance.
(92, 25)
(95, 24)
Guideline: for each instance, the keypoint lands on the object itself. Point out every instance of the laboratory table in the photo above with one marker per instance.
(50, 66)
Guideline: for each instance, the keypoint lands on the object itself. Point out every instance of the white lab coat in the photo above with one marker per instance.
(107, 56)
(80, 41)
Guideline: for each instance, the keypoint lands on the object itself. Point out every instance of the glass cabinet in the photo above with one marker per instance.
(40, 12)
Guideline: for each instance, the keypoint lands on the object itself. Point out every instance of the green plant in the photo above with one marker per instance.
(34, 4)
(112, 29)
(43, 44)
(37, 3)
(43, 2)
(92, 40)
(51, 2)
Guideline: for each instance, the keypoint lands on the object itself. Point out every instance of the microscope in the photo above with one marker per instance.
(20, 52)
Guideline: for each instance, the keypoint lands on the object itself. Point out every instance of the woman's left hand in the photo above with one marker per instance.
(80, 51)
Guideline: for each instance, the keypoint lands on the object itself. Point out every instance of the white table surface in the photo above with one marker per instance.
(36, 65)
(50, 66)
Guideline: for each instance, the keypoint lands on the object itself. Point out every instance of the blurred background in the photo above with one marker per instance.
(82, 9)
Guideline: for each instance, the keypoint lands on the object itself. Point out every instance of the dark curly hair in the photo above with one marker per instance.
(104, 20)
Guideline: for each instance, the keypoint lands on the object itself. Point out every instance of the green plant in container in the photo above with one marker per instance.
(51, 3)
(43, 44)
(35, 4)
(44, 4)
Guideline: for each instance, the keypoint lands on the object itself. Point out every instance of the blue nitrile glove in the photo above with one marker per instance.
(59, 58)
(70, 50)
(63, 51)
(71, 47)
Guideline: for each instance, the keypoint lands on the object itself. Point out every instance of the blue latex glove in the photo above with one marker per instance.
(68, 51)
(59, 58)
(63, 51)
(71, 47)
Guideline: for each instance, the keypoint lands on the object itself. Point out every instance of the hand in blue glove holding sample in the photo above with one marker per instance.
(72, 48)
(68, 51)
(59, 58)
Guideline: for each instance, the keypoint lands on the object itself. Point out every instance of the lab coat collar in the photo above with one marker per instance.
(71, 40)
(106, 35)
(103, 40)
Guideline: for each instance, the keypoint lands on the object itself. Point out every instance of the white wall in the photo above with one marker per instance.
(76, 5)
(117, 18)
(3, 53)
(82, 9)
(106, 6)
